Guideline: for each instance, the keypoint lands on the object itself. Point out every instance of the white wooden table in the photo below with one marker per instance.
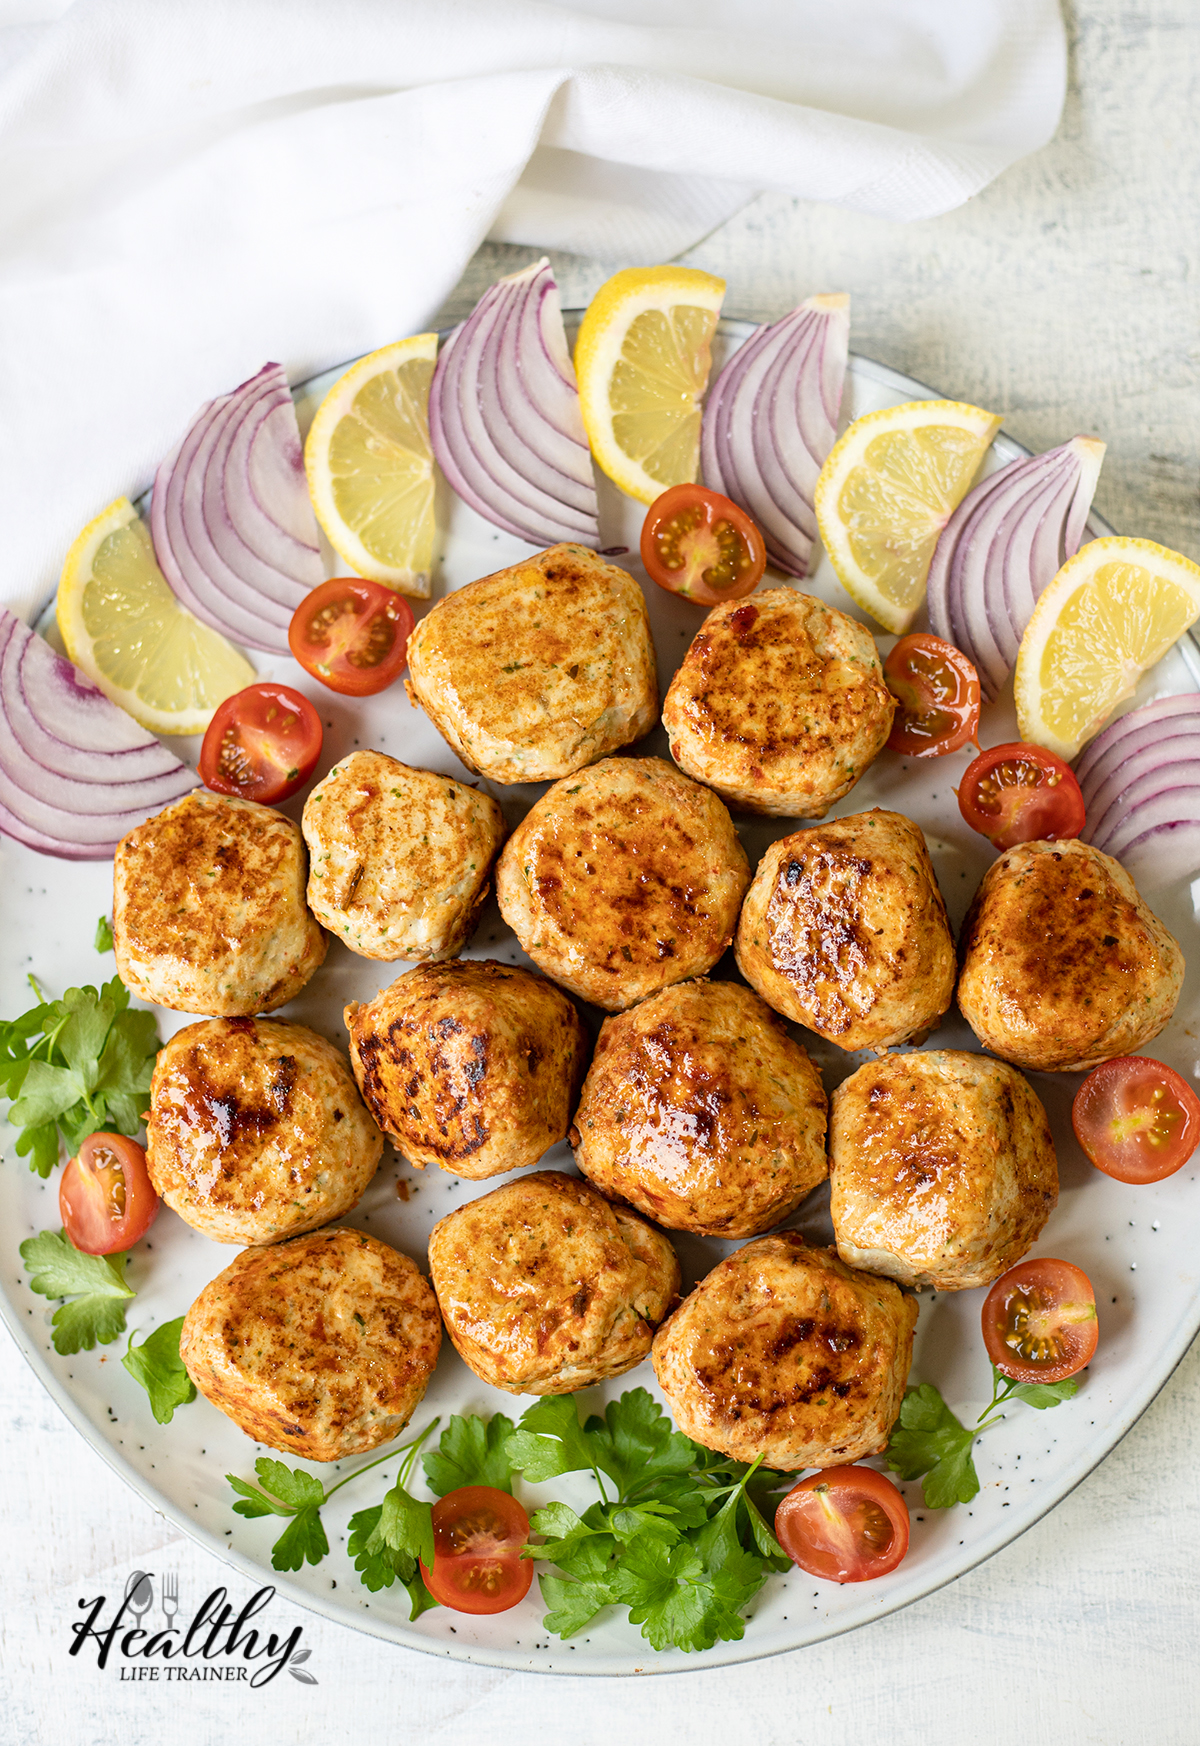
(1061, 297)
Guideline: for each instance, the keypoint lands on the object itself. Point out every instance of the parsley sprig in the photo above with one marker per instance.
(156, 1364)
(93, 1285)
(928, 1439)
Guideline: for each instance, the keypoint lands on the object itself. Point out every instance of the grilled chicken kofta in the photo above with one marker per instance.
(844, 930)
(540, 669)
(942, 1168)
(400, 858)
(256, 1131)
(1063, 964)
(623, 879)
(322, 1346)
(545, 1287)
(784, 1354)
(779, 705)
(474, 1067)
(209, 913)
(701, 1111)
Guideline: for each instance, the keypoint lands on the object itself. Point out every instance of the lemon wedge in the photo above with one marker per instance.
(123, 626)
(642, 360)
(1113, 610)
(370, 465)
(889, 487)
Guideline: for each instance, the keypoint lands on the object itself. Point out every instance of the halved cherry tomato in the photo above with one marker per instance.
(478, 1533)
(1136, 1119)
(1039, 1321)
(106, 1199)
(937, 692)
(352, 635)
(697, 543)
(847, 1524)
(1020, 794)
(262, 744)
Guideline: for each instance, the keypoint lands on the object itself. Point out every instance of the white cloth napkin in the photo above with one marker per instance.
(189, 188)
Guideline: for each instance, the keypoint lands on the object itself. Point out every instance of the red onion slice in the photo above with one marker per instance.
(233, 528)
(1005, 542)
(770, 421)
(76, 772)
(504, 418)
(1140, 780)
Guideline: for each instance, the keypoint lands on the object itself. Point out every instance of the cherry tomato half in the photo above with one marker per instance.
(1136, 1119)
(847, 1524)
(352, 635)
(1039, 1321)
(697, 543)
(937, 693)
(1020, 794)
(106, 1199)
(262, 744)
(478, 1533)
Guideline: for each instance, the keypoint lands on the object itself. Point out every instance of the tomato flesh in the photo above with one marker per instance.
(1136, 1119)
(106, 1199)
(478, 1533)
(262, 744)
(1039, 1321)
(701, 545)
(1018, 793)
(937, 696)
(352, 635)
(847, 1524)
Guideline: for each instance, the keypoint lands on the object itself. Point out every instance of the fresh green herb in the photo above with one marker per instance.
(104, 940)
(470, 1451)
(156, 1364)
(390, 1541)
(94, 1285)
(74, 1067)
(930, 1440)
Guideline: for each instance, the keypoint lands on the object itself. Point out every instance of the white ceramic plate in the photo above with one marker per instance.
(1139, 1245)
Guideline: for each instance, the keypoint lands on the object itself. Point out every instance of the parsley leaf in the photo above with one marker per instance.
(1046, 1394)
(156, 1364)
(550, 1440)
(283, 1491)
(95, 1285)
(103, 941)
(379, 1565)
(470, 1451)
(636, 1443)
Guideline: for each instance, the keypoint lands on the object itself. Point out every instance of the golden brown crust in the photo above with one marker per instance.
(942, 1168)
(779, 704)
(1063, 964)
(623, 879)
(471, 1066)
(786, 1354)
(322, 1346)
(844, 930)
(208, 908)
(701, 1111)
(400, 858)
(540, 669)
(546, 1288)
(256, 1131)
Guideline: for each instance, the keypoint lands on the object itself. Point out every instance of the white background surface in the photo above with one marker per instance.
(1061, 297)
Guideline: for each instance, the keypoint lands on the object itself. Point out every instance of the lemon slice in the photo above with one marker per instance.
(642, 360)
(889, 487)
(123, 626)
(370, 466)
(1113, 610)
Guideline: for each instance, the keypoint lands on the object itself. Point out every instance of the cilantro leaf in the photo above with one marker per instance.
(550, 1440)
(302, 1540)
(103, 941)
(571, 1604)
(156, 1364)
(636, 1443)
(94, 1283)
(470, 1451)
(406, 1525)
(683, 1599)
(292, 1486)
(929, 1440)
(377, 1566)
(41, 1142)
(85, 1322)
(1046, 1394)
(286, 1492)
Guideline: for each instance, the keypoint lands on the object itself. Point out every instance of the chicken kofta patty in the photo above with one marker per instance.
(540, 669)
(208, 908)
(322, 1346)
(844, 930)
(1063, 964)
(545, 1287)
(623, 879)
(779, 704)
(256, 1131)
(400, 858)
(700, 1110)
(784, 1354)
(942, 1169)
(470, 1066)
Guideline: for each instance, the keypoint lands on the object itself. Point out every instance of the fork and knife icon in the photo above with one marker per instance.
(139, 1592)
